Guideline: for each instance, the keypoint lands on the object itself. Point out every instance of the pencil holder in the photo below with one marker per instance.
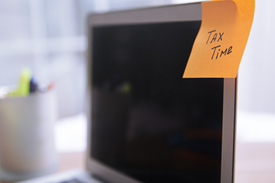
(27, 147)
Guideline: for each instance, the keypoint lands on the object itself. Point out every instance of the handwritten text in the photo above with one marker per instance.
(218, 51)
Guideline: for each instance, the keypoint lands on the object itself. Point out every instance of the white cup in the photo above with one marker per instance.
(27, 143)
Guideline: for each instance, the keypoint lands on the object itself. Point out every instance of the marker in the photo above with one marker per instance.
(33, 86)
(23, 88)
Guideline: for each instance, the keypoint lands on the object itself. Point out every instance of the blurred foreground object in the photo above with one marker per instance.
(26, 85)
(27, 147)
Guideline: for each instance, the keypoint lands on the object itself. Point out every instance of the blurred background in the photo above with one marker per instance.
(49, 36)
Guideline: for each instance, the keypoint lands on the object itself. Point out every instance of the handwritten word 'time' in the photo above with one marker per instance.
(218, 51)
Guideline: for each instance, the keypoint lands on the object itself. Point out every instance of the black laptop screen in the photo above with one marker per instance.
(147, 121)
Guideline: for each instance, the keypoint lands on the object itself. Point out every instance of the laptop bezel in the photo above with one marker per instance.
(173, 13)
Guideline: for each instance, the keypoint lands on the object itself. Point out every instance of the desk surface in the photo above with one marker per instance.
(255, 162)
(70, 161)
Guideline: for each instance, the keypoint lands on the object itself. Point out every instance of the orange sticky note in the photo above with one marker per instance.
(221, 41)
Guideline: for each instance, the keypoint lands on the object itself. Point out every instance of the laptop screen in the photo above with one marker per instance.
(148, 122)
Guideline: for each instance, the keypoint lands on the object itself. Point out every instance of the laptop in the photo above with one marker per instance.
(146, 123)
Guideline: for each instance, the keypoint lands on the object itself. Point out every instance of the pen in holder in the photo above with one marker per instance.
(27, 147)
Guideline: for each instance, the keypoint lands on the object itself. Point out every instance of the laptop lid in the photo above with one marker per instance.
(146, 123)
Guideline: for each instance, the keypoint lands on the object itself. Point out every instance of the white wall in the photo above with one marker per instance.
(256, 73)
